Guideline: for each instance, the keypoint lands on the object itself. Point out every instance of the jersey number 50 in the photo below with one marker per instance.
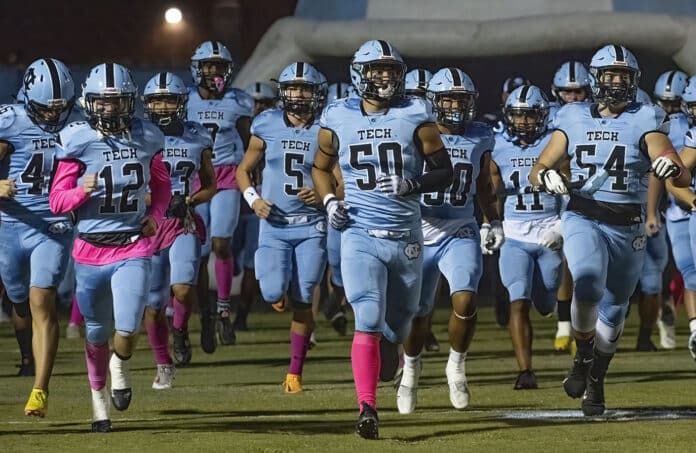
(391, 161)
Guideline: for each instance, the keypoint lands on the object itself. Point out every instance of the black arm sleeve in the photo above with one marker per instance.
(439, 174)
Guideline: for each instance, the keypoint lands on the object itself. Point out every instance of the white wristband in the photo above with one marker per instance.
(328, 197)
(250, 195)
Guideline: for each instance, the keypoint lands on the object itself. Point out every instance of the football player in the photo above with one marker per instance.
(611, 144)
(34, 242)
(226, 113)
(291, 254)
(381, 141)
(530, 259)
(106, 166)
(177, 244)
(416, 82)
(453, 244)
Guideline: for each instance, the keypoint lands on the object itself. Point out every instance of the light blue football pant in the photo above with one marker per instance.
(531, 271)
(290, 257)
(680, 239)
(656, 256)
(220, 216)
(382, 280)
(176, 265)
(605, 262)
(112, 296)
(459, 259)
(333, 247)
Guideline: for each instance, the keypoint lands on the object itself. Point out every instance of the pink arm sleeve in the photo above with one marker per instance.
(65, 194)
(160, 188)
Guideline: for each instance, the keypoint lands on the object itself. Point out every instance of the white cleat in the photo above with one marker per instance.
(407, 393)
(121, 391)
(665, 324)
(459, 394)
(100, 404)
(164, 379)
(692, 344)
(72, 332)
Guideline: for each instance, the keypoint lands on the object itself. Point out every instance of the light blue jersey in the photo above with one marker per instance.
(370, 145)
(678, 127)
(611, 147)
(466, 152)
(121, 164)
(514, 162)
(30, 163)
(220, 117)
(182, 156)
(289, 154)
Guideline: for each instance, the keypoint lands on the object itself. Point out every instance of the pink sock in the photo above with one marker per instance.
(75, 315)
(182, 313)
(97, 357)
(223, 277)
(365, 359)
(299, 344)
(159, 342)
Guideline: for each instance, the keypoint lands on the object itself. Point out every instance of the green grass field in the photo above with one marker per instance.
(233, 400)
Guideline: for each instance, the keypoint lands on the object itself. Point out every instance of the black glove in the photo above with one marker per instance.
(177, 207)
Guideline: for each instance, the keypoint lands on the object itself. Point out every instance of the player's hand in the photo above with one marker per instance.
(492, 237)
(664, 168)
(553, 182)
(394, 185)
(308, 196)
(552, 238)
(262, 208)
(652, 225)
(148, 226)
(89, 183)
(337, 212)
(8, 188)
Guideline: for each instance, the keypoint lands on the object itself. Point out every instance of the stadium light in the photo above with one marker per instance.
(173, 16)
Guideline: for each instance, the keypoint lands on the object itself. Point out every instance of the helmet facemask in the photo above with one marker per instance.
(165, 109)
(215, 74)
(669, 105)
(110, 113)
(453, 108)
(301, 98)
(615, 86)
(381, 80)
(51, 117)
(526, 124)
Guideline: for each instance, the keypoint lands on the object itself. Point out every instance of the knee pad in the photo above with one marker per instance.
(125, 334)
(583, 316)
(97, 334)
(367, 317)
(23, 310)
(272, 292)
(607, 337)
(588, 288)
(651, 283)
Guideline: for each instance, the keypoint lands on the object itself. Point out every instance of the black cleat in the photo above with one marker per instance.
(240, 320)
(389, 353)
(502, 312)
(575, 382)
(121, 398)
(431, 343)
(182, 347)
(102, 426)
(368, 422)
(208, 340)
(224, 329)
(526, 380)
(340, 323)
(593, 399)
(645, 344)
(26, 368)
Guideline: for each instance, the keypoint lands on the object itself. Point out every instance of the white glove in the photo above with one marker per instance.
(553, 182)
(394, 185)
(553, 238)
(492, 237)
(663, 168)
(337, 212)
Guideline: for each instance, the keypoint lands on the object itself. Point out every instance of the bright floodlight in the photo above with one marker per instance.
(173, 16)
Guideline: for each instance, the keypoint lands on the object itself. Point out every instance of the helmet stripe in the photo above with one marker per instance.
(109, 75)
(257, 88)
(571, 71)
(456, 80)
(216, 48)
(524, 93)
(669, 80)
(55, 78)
(162, 80)
(386, 49)
(299, 70)
(421, 77)
(619, 53)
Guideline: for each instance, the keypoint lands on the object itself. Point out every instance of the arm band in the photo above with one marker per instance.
(439, 174)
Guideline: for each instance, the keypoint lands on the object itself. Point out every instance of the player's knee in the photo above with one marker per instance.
(689, 276)
(518, 290)
(368, 317)
(424, 309)
(272, 291)
(584, 316)
(587, 287)
(221, 248)
(97, 334)
(182, 291)
(464, 304)
(22, 310)
(651, 284)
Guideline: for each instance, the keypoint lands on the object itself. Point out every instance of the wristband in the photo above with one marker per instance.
(250, 195)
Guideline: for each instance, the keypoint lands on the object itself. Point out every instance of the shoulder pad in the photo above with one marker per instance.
(245, 101)
(74, 138)
(690, 138)
(8, 114)
(261, 123)
(481, 130)
(653, 118)
(415, 109)
(150, 131)
(199, 133)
